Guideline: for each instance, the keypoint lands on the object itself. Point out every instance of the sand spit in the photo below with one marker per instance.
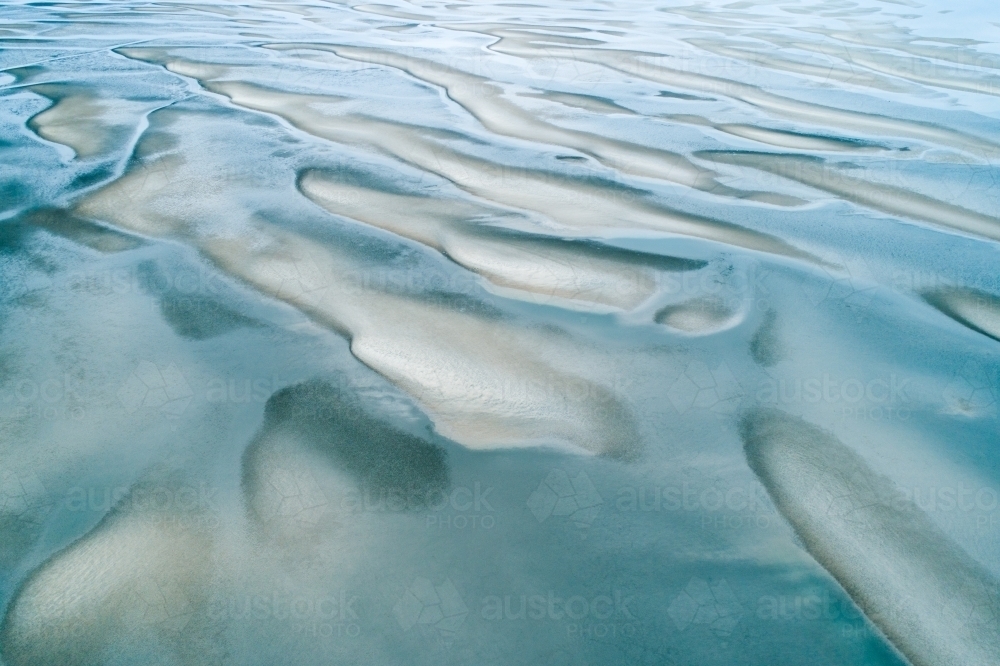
(590, 103)
(571, 202)
(654, 67)
(936, 604)
(571, 273)
(484, 381)
(816, 173)
(978, 310)
(782, 138)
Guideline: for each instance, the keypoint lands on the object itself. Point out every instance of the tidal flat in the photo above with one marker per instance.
(556, 332)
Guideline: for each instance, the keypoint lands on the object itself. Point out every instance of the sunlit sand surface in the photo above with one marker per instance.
(499, 333)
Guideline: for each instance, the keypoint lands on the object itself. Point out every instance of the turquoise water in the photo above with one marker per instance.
(563, 332)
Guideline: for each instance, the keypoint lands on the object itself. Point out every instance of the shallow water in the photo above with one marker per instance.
(564, 332)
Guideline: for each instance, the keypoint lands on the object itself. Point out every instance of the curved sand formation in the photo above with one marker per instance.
(520, 43)
(598, 204)
(482, 394)
(590, 103)
(479, 378)
(936, 604)
(976, 309)
(782, 138)
(74, 120)
(485, 100)
(132, 586)
(317, 417)
(698, 315)
(81, 119)
(572, 273)
(814, 172)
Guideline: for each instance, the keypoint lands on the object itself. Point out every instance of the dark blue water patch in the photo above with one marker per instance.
(335, 423)
(684, 96)
(13, 195)
(90, 177)
(192, 314)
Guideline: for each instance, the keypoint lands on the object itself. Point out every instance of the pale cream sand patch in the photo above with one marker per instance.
(74, 121)
(698, 315)
(84, 121)
(568, 273)
(485, 100)
(137, 582)
(590, 103)
(484, 381)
